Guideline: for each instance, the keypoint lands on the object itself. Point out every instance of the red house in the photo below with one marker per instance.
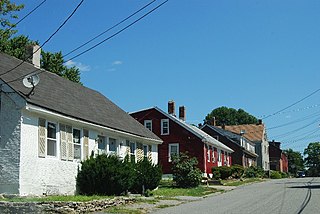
(244, 150)
(178, 136)
(278, 160)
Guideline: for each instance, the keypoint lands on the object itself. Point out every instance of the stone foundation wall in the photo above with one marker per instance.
(62, 207)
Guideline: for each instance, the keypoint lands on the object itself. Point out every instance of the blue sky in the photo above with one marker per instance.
(260, 56)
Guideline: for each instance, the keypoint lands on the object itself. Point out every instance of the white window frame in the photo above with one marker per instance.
(135, 149)
(213, 159)
(219, 157)
(225, 159)
(208, 153)
(105, 143)
(170, 145)
(145, 146)
(56, 139)
(162, 126)
(74, 144)
(116, 146)
(146, 122)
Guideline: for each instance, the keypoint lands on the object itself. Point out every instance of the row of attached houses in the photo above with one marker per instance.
(179, 136)
(47, 130)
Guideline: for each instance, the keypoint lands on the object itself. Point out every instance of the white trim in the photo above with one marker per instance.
(146, 122)
(80, 143)
(56, 140)
(194, 130)
(36, 109)
(172, 144)
(162, 122)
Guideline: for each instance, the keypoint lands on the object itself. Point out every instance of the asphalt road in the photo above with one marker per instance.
(296, 195)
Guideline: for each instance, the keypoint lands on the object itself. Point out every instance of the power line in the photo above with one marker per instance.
(295, 121)
(50, 37)
(296, 110)
(305, 134)
(278, 112)
(42, 70)
(118, 32)
(107, 30)
(34, 9)
(296, 130)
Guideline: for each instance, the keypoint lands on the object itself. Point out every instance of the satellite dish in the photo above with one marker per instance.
(31, 80)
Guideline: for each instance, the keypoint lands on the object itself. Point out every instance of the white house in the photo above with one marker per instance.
(44, 135)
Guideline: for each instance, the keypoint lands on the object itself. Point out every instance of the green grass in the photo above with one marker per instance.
(239, 182)
(76, 198)
(173, 191)
(123, 210)
(164, 206)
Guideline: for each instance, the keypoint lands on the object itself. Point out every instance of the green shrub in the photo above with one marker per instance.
(237, 171)
(216, 173)
(147, 176)
(186, 174)
(284, 175)
(275, 175)
(104, 175)
(254, 172)
(225, 172)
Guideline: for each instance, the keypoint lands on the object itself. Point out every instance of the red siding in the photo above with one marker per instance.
(187, 141)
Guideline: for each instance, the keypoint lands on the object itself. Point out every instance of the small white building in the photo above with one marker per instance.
(44, 135)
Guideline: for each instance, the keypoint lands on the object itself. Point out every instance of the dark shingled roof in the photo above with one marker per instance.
(71, 99)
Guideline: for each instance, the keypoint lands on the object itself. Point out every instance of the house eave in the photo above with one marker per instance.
(36, 109)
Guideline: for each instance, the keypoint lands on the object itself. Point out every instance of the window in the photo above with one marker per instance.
(132, 151)
(213, 157)
(148, 124)
(101, 142)
(225, 158)
(164, 126)
(51, 139)
(173, 150)
(208, 152)
(145, 151)
(76, 144)
(112, 145)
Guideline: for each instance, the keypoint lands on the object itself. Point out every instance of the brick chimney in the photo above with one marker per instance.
(171, 108)
(33, 57)
(182, 113)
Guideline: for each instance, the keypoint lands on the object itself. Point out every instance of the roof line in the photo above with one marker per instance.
(186, 126)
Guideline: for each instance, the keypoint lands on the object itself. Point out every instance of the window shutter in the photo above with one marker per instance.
(42, 138)
(69, 143)
(85, 143)
(63, 142)
(139, 152)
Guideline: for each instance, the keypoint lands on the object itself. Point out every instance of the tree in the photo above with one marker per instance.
(54, 62)
(312, 160)
(295, 161)
(186, 174)
(229, 116)
(7, 13)
(16, 46)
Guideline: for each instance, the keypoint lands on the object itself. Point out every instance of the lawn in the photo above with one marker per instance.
(167, 189)
(240, 182)
(173, 191)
